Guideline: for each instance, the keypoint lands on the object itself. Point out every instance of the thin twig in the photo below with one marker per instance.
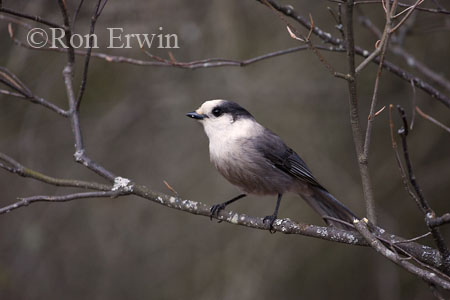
(170, 188)
(14, 81)
(394, 69)
(431, 119)
(410, 10)
(17, 168)
(220, 62)
(29, 200)
(75, 15)
(161, 62)
(338, 220)
(295, 34)
(413, 100)
(424, 9)
(397, 49)
(23, 92)
(30, 17)
(88, 53)
(338, 19)
(414, 63)
(399, 162)
(377, 113)
(414, 239)
(9, 93)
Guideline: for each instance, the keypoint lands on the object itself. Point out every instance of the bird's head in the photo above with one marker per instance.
(221, 117)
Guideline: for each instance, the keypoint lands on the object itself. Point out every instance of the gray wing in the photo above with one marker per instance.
(284, 158)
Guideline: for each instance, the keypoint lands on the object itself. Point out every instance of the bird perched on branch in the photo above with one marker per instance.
(256, 160)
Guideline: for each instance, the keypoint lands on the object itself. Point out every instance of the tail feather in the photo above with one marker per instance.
(327, 206)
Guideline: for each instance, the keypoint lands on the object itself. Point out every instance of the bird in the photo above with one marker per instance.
(258, 162)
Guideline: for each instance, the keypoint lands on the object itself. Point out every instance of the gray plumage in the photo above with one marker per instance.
(257, 161)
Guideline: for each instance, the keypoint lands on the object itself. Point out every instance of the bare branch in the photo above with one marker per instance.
(414, 239)
(338, 19)
(9, 93)
(295, 34)
(354, 115)
(161, 62)
(431, 119)
(425, 254)
(23, 92)
(410, 10)
(213, 62)
(370, 122)
(14, 82)
(427, 276)
(287, 226)
(438, 221)
(29, 17)
(17, 168)
(27, 201)
(424, 9)
(399, 162)
(68, 31)
(75, 15)
(424, 205)
(424, 69)
(80, 155)
(94, 18)
(417, 259)
(328, 38)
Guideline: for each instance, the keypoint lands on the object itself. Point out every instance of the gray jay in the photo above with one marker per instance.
(256, 160)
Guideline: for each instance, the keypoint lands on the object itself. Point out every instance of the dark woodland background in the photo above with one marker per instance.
(134, 123)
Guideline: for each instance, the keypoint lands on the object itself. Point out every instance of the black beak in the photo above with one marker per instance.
(195, 115)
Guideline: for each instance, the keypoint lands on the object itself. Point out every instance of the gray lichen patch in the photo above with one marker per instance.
(122, 184)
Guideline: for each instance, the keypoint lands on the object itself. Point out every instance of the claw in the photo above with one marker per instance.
(215, 209)
(271, 220)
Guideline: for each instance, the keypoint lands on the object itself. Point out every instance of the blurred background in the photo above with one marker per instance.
(134, 124)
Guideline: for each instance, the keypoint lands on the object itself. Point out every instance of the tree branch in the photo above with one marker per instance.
(17, 168)
(422, 255)
(94, 18)
(431, 119)
(424, 9)
(438, 221)
(124, 186)
(79, 155)
(29, 17)
(427, 276)
(23, 92)
(27, 201)
(424, 205)
(354, 115)
(394, 69)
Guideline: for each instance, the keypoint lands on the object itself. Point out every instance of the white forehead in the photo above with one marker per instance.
(209, 105)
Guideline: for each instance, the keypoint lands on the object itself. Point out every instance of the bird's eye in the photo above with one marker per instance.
(217, 112)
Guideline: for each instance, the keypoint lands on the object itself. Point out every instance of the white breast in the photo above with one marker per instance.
(226, 142)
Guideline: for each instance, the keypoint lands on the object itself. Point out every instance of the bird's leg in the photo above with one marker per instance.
(273, 217)
(215, 209)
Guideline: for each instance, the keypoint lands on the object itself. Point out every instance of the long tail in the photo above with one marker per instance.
(327, 206)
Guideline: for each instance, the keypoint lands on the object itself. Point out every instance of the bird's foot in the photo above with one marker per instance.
(270, 220)
(215, 209)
